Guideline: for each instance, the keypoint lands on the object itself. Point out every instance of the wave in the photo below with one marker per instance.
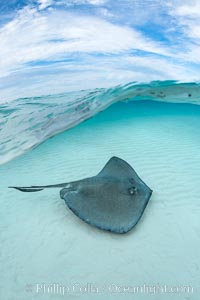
(27, 122)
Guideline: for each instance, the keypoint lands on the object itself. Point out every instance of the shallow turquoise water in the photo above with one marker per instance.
(43, 242)
(27, 122)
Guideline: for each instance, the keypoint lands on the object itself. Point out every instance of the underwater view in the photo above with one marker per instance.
(99, 149)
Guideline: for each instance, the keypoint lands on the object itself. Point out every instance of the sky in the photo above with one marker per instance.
(49, 46)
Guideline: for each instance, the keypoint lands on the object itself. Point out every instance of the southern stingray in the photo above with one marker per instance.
(113, 200)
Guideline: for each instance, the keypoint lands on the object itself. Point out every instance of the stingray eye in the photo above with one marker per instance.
(132, 190)
(131, 180)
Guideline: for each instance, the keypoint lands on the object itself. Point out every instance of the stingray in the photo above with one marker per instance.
(113, 200)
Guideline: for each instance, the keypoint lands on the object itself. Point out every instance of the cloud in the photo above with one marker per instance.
(39, 36)
(186, 20)
(80, 2)
(187, 9)
(161, 68)
(93, 2)
(92, 71)
(44, 3)
(187, 15)
(46, 49)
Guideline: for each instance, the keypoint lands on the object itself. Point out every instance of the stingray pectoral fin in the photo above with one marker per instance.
(37, 188)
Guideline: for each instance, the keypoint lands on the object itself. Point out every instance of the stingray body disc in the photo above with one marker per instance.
(114, 200)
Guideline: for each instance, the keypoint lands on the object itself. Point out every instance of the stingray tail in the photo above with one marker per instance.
(37, 188)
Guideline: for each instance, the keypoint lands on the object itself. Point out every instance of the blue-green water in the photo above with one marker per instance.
(42, 242)
(27, 122)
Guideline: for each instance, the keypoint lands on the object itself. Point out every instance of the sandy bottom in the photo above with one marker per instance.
(46, 250)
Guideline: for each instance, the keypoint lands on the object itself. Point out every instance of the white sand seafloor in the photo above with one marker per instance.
(42, 243)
